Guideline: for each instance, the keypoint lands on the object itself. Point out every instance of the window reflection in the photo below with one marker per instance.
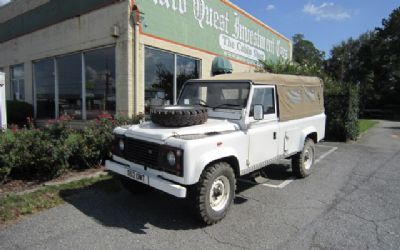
(70, 85)
(187, 68)
(159, 76)
(265, 97)
(45, 93)
(18, 82)
(100, 82)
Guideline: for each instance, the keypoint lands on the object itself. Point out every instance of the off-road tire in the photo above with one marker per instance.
(300, 167)
(202, 206)
(179, 116)
(134, 187)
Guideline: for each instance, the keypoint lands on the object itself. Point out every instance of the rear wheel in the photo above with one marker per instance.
(303, 162)
(215, 192)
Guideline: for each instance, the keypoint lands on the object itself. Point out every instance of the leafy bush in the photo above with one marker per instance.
(341, 108)
(42, 154)
(7, 140)
(98, 136)
(18, 112)
(31, 154)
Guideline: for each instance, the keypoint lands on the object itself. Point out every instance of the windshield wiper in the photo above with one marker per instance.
(226, 105)
(203, 105)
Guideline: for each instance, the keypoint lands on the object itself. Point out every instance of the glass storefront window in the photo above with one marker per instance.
(59, 88)
(70, 85)
(18, 82)
(100, 82)
(186, 69)
(160, 79)
(45, 88)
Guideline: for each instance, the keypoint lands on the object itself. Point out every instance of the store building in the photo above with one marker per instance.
(85, 58)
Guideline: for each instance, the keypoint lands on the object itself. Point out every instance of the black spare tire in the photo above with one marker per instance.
(178, 116)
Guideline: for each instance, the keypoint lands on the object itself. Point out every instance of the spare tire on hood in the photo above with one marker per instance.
(178, 116)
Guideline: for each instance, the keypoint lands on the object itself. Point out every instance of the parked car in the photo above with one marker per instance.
(222, 128)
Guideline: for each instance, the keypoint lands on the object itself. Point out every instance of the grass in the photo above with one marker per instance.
(14, 207)
(364, 125)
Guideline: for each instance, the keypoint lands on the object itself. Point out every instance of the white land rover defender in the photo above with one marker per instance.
(222, 128)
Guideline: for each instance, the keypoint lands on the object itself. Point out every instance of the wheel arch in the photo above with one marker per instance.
(210, 159)
(309, 132)
(231, 160)
(313, 136)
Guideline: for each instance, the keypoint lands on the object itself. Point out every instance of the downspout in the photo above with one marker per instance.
(136, 26)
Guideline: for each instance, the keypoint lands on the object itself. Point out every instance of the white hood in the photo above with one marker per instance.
(156, 132)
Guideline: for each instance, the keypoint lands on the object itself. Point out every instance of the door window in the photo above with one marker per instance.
(265, 97)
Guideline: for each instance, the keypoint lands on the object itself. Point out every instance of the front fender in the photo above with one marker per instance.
(210, 156)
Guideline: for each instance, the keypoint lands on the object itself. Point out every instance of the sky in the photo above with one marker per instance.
(325, 23)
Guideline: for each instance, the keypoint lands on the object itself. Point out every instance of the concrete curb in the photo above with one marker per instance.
(56, 183)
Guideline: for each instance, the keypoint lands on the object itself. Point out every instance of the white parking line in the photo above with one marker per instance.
(282, 185)
(333, 149)
(288, 181)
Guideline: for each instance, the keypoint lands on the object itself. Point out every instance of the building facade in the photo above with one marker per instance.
(86, 58)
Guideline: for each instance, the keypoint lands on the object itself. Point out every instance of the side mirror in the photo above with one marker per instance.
(258, 112)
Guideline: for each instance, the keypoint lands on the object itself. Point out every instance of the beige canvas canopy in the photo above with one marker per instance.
(298, 96)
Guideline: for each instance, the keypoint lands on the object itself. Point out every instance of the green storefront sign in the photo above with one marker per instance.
(214, 26)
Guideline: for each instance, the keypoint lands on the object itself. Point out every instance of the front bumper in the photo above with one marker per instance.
(150, 179)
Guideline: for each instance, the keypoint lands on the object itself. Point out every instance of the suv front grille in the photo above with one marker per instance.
(141, 152)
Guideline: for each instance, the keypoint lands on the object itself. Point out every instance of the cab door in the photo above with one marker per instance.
(263, 134)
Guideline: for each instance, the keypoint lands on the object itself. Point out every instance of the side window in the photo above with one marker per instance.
(265, 97)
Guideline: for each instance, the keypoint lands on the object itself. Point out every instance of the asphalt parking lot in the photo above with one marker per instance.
(351, 201)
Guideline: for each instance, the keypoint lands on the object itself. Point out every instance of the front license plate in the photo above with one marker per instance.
(136, 176)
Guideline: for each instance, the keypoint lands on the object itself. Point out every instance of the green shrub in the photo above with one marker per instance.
(31, 154)
(18, 112)
(42, 154)
(75, 152)
(341, 108)
(7, 140)
(98, 137)
(59, 129)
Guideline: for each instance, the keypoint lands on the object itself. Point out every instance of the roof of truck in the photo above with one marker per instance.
(268, 78)
(299, 96)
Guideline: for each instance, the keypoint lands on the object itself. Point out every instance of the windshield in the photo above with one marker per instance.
(216, 95)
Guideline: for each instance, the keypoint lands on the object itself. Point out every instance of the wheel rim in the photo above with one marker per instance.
(219, 193)
(308, 158)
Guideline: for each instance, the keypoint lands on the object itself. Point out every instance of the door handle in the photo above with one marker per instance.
(274, 135)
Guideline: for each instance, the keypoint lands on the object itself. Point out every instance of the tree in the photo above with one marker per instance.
(352, 61)
(387, 59)
(346, 63)
(305, 53)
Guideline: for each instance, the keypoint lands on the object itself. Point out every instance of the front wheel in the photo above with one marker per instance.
(215, 192)
(303, 162)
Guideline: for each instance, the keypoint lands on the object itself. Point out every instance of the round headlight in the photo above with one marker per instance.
(121, 145)
(171, 158)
